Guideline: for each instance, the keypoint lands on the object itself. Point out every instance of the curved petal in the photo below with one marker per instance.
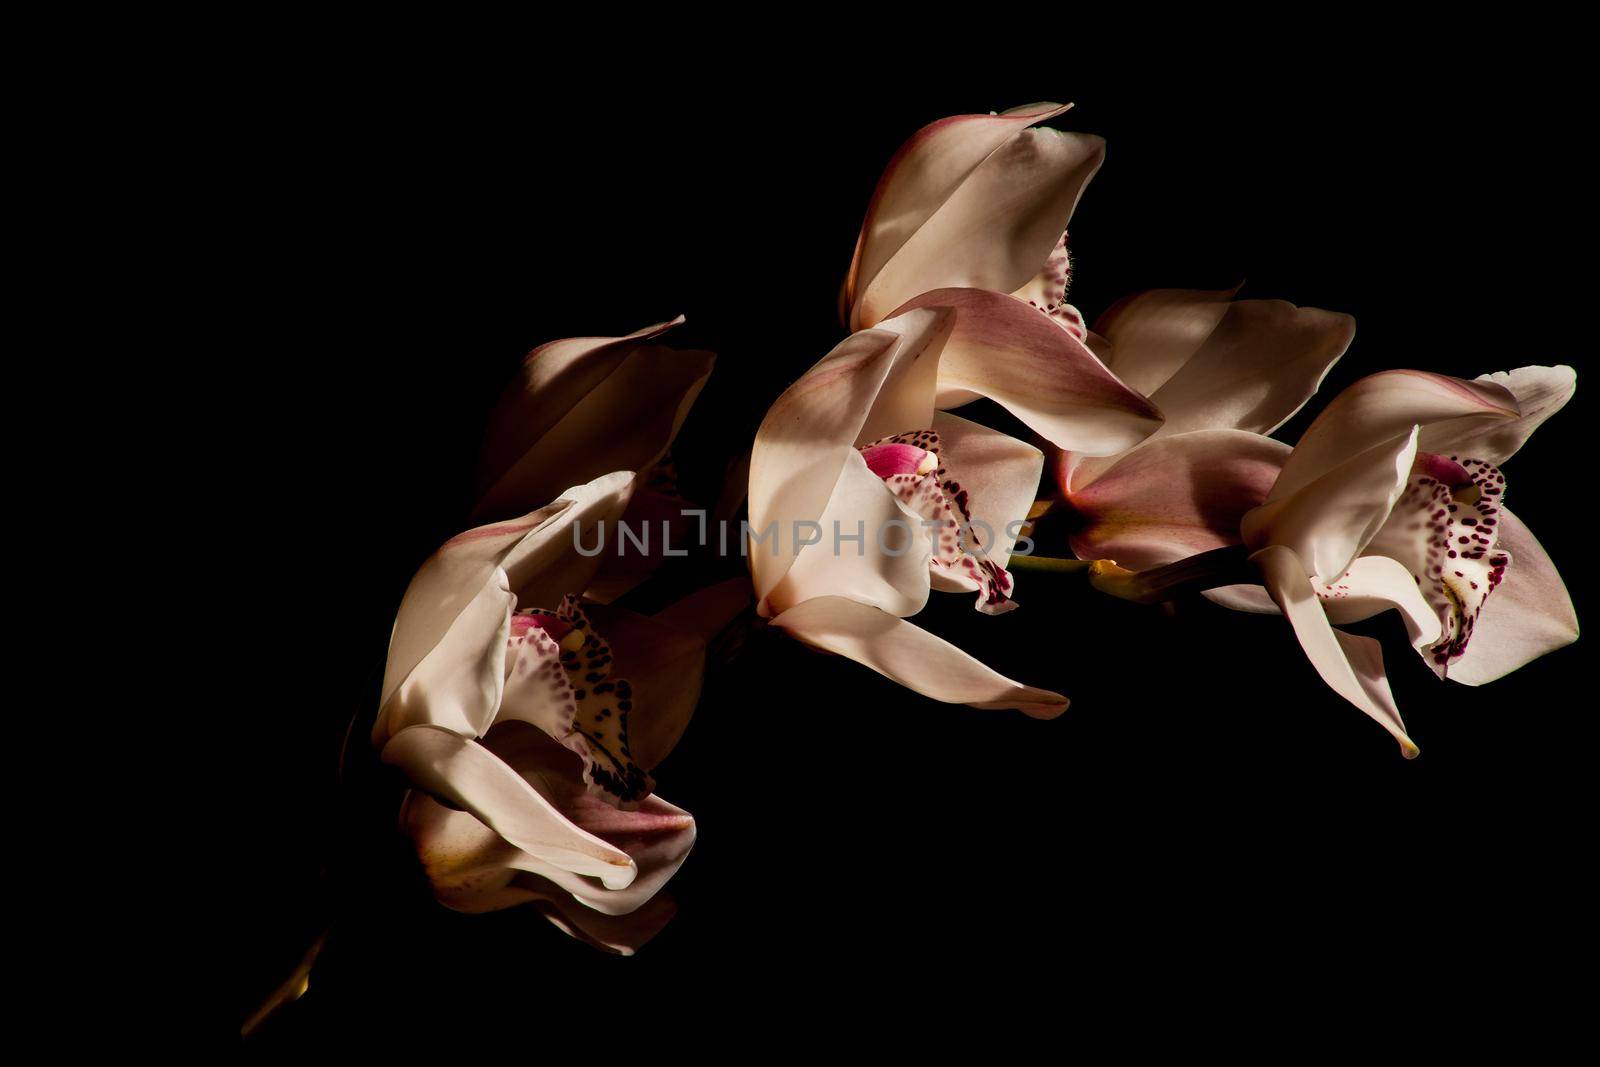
(870, 379)
(921, 176)
(1329, 521)
(907, 654)
(1352, 666)
(1174, 497)
(458, 684)
(884, 562)
(626, 422)
(1154, 333)
(1540, 392)
(1374, 584)
(657, 835)
(1251, 598)
(471, 777)
(454, 602)
(999, 474)
(557, 422)
(465, 858)
(1529, 614)
(1379, 408)
(1259, 366)
(1005, 350)
(995, 229)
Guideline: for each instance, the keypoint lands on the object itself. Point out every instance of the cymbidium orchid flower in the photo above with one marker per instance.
(855, 457)
(537, 719)
(582, 407)
(1393, 498)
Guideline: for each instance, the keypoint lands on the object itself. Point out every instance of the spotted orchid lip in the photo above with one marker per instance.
(911, 466)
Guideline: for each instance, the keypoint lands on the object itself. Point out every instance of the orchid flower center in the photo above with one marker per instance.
(558, 677)
(1446, 529)
(911, 466)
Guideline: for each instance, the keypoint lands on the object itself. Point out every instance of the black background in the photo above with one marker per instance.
(1206, 819)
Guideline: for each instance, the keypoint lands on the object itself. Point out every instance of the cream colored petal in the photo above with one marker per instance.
(1540, 392)
(913, 657)
(1352, 666)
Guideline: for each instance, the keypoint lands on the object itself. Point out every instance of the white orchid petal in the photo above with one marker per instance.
(907, 654)
(1529, 614)
(1380, 408)
(471, 777)
(1327, 522)
(1540, 392)
(1352, 666)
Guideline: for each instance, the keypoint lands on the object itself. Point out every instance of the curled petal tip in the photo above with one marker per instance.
(1050, 708)
(1408, 749)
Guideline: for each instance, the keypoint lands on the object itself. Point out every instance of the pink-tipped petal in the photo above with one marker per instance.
(921, 176)
(1352, 666)
(473, 778)
(871, 380)
(1540, 392)
(1529, 614)
(1004, 350)
(999, 474)
(582, 407)
(1174, 497)
(1327, 522)
(1380, 408)
(907, 654)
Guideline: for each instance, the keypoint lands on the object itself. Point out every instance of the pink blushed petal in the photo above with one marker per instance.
(1540, 392)
(1329, 521)
(474, 779)
(907, 654)
(1004, 350)
(1175, 497)
(1380, 408)
(921, 176)
(1352, 666)
(1529, 614)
